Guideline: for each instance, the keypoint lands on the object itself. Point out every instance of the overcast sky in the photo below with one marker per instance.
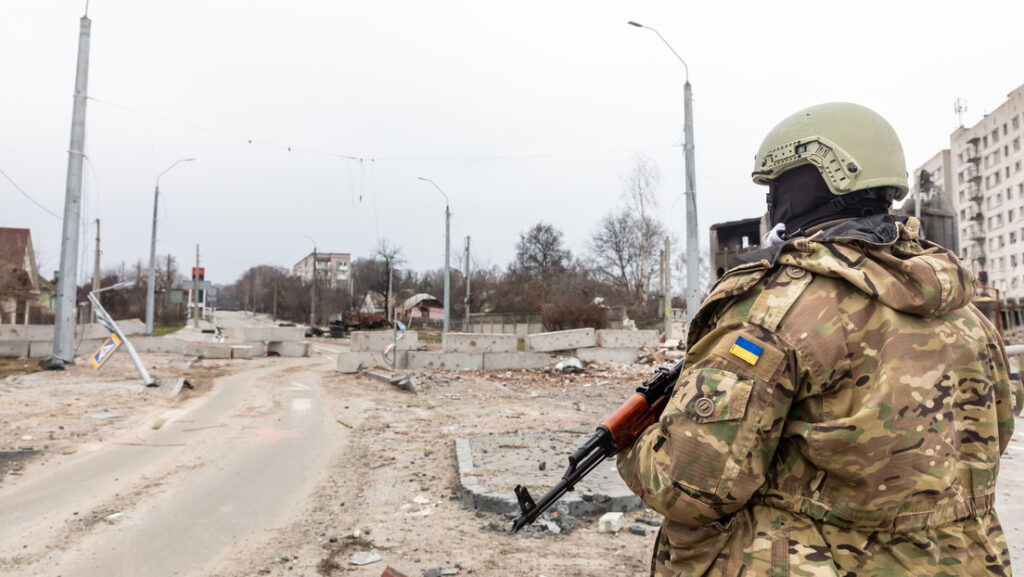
(520, 111)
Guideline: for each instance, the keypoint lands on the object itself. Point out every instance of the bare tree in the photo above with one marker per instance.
(391, 254)
(540, 252)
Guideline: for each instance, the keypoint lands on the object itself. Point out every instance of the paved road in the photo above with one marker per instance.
(239, 461)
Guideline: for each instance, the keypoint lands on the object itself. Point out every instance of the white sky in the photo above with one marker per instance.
(521, 111)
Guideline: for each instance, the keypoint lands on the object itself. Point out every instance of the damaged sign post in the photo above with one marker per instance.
(116, 338)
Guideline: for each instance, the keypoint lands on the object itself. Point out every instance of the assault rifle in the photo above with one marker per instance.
(615, 434)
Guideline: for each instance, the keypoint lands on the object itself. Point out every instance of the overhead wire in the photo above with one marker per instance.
(29, 197)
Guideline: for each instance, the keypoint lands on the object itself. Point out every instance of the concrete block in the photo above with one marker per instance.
(241, 352)
(447, 361)
(192, 348)
(13, 333)
(290, 349)
(212, 350)
(353, 362)
(261, 334)
(287, 334)
(610, 523)
(480, 343)
(606, 356)
(158, 345)
(43, 349)
(516, 361)
(259, 348)
(376, 341)
(627, 339)
(561, 340)
(14, 349)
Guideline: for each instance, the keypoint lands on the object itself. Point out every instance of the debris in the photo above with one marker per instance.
(610, 523)
(113, 516)
(341, 422)
(638, 530)
(365, 557)
(390, 571)
(450, 571)
(649, 519)
(569, 366)
(27, 438)
(543, 466)
(420, 500)
(106, 415)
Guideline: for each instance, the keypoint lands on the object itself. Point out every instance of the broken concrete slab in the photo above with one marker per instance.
(376, 341)
(627, 339)
(14, 349)
(561, 340)
(290, 349)
(447, 361)
(480, 343)
(606, 356)
(516, 361)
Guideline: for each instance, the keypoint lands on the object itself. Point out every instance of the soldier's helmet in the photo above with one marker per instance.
(851, 146)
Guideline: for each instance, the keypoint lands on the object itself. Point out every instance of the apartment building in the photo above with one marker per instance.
(931, 199)
(332, 268)
(988, 178)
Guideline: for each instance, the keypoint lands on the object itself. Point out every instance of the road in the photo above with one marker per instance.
(171, 499)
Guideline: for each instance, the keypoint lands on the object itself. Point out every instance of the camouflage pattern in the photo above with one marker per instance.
(864, 440)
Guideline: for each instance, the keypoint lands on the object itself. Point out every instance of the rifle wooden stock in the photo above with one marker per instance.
(633, 418)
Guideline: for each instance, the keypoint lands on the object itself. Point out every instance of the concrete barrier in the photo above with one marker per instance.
(447, 361)
(561, 340)
(353, 362)
(14, 349)
(627, 339)
(290, 349)
(606, 356)
(212, 350)
(375, 341)
(158, 345)
(516, 361)
(261, 334)
(241, 352)
(287, 334)
(480, 343)
(258, 348)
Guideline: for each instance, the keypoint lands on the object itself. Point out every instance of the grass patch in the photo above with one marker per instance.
(161, 331)
(17, 367)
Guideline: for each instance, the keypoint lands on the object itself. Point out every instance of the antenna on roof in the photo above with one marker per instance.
(960, 107)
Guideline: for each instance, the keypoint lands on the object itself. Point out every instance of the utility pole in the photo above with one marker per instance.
(666, 276)
(312, 297)
(96, 268)
(692, 243)
(447, 267)
(195, 289)
(465, 324)
(67, 284)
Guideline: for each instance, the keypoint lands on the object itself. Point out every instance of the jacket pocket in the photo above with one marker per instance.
(710, 429)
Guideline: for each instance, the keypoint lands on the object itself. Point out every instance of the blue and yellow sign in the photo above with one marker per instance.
(746, 350)
(105, 351)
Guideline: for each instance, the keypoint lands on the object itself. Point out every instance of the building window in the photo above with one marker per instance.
(1004, 129)
(1016, 124)
(1013, 240)
(1016, 144)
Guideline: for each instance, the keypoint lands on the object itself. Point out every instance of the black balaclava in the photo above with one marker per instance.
(800, 199)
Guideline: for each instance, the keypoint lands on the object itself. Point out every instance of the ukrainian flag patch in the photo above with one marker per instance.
(746, 350)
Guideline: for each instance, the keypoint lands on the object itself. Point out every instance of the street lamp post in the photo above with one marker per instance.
(447, 254)
(150, 288)
(312, 296)
(690, 192)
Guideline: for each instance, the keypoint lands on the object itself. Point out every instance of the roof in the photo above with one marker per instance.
(13, 244)
(417, 299)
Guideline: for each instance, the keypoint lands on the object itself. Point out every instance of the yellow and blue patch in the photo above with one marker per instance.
(746, 350)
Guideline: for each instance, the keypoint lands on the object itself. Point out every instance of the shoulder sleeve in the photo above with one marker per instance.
(714, 443)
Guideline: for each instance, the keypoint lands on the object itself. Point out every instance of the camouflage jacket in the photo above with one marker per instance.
(842, 411)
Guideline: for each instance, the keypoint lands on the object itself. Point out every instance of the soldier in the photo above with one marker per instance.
(843, 406)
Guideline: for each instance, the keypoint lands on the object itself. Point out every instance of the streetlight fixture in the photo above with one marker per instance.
(150, 288)
(690, 192)
(447, 253)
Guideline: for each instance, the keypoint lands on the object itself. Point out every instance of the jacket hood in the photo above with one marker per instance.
(884, 257)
